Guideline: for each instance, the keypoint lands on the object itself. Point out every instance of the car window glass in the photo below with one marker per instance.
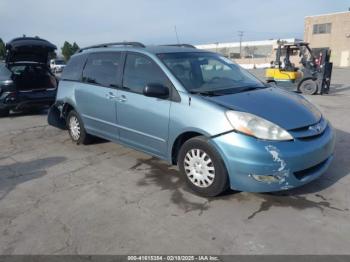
(4, 72)
(215, 69)
(208, 72)
(102, 69)
(140, 71)
(74, 68)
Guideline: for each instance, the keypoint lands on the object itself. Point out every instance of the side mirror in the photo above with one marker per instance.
(156, 90)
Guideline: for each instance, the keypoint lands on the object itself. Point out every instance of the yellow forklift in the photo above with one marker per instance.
(312, 77)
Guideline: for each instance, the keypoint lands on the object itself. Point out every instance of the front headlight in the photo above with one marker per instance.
(255, 126)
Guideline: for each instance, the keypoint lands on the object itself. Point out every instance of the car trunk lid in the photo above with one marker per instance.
(29, 49)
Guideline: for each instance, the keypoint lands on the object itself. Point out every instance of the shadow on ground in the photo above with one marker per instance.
(12, 175)
(167, 177)
(337, 88)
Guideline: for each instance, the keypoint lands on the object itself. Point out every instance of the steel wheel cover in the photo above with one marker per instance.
(74, 128)
(199, 168)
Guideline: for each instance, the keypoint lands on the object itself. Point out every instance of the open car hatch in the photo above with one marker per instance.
(29, 49)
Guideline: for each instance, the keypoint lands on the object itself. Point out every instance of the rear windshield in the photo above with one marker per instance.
(60, 62)
(74, 68)
(19, 69)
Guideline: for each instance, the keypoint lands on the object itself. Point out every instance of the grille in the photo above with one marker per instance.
(310, 132)
(309, 171)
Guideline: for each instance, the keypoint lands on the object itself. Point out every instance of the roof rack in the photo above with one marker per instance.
(135, 44)
(182, 45)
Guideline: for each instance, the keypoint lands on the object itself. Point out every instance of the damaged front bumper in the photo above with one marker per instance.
(265, 166)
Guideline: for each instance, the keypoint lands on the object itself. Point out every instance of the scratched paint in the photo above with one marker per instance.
(275, 156)
(282, 172)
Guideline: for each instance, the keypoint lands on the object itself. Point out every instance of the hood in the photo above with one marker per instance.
(288, 110)
(31, 49)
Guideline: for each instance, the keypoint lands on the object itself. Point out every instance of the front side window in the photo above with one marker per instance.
(201, 72)
(102, 69)
(140, 71)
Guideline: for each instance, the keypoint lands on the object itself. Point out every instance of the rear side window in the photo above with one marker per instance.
(5, 74)
(102, 69)
(74, 68)
(140, 71)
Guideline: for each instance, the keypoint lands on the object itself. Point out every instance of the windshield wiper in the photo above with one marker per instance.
(222, 92)
(248, 88)
(206, 93)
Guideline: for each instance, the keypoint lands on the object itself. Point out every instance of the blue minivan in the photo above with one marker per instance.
(195, 109)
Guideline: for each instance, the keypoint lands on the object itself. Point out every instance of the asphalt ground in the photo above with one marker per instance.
(104, 198)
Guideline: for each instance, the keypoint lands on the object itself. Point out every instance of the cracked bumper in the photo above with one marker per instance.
(294, 163)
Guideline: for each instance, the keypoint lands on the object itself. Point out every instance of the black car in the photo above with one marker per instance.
(26, 80)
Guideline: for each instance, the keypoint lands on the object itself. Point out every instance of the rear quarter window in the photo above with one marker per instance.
(102, 69)
(73, 70)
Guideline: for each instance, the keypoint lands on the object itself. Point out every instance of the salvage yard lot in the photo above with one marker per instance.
(59, 198)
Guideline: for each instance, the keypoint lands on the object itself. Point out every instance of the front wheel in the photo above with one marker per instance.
(76, 129)
(203, 167)
(308, 87)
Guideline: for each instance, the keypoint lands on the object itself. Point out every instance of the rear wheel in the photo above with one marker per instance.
(202, 167)
(4, 112)
(76, 129)
(308, 87)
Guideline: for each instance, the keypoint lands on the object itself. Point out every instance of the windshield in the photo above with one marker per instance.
(60, 62)
(201, 72)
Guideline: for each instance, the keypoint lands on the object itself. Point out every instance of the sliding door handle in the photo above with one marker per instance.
(111, 96)
(122, 98)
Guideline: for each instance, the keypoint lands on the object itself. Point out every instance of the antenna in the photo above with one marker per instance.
(177, 36)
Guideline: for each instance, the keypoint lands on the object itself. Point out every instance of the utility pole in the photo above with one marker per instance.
(240, 34)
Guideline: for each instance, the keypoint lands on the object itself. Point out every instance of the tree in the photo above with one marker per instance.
(75, 48)
(2, 49)
(68, 49)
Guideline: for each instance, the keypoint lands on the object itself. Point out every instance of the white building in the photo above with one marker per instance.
(248, 54)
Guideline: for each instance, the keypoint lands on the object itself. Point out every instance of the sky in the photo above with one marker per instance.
(153, 21)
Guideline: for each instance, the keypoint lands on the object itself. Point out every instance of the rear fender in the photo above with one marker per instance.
(55, 118)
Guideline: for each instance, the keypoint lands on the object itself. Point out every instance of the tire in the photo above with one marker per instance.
(76, 129)
(308, 87)
(4, 112)
(202, 167)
